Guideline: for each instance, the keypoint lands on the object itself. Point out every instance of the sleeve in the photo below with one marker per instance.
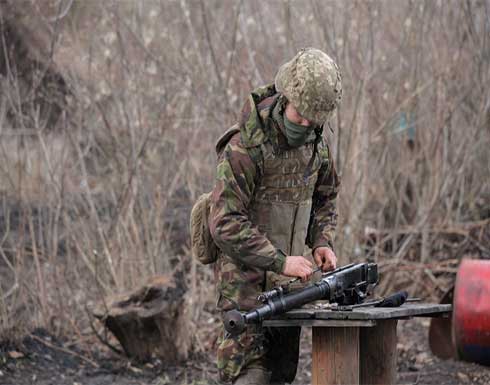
(229, 223)
(324, 210)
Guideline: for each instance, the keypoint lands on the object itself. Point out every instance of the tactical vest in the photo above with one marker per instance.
(281, 205)
(280, 208)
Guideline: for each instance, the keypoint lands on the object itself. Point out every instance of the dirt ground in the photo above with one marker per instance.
(42, 359)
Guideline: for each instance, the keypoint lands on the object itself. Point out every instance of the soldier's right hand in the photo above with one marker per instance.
(298, 266)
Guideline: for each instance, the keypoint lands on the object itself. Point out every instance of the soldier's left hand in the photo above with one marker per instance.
(325, 258)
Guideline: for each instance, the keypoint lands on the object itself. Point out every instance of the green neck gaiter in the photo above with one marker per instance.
(296, 134)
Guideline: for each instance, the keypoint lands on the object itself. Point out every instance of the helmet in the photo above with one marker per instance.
(311, 81)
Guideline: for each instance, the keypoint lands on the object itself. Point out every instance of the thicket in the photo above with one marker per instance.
(109, 112)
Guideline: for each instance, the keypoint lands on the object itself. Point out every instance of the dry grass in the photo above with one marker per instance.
(96, 186)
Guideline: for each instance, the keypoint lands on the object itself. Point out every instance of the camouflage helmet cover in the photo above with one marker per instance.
(311, 81)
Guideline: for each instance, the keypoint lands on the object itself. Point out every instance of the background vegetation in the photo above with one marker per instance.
(109, 112)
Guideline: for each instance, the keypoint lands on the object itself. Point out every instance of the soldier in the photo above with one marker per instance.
(275, 192)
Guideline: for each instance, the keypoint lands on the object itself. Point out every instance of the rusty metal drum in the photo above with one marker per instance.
(471, 311)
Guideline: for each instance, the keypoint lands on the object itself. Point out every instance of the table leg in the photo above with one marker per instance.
(335, 356)
(378, 353)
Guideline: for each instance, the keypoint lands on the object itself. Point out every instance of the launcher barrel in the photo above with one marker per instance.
(347, 285)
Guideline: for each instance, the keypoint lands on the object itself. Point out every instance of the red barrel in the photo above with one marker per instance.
(471, 312)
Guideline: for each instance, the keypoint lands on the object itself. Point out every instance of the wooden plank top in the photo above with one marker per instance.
(318, 322)
(370, 313)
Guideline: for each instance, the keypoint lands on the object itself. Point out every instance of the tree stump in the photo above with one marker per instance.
(150, 319)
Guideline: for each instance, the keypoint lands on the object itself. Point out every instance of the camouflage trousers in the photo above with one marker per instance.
(271, 350)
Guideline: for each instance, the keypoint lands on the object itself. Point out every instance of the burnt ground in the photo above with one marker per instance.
(43, 359)
(417, 365)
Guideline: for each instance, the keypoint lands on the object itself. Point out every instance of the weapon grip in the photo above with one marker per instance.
(394, 300)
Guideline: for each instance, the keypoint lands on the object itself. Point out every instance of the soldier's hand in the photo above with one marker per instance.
(325, 258)
(298, 266)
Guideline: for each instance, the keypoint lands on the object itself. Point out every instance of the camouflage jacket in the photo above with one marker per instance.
(239, 171)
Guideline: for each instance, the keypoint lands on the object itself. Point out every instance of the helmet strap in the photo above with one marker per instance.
(318, 137)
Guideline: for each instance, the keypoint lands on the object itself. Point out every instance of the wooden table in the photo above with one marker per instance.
(355, 347)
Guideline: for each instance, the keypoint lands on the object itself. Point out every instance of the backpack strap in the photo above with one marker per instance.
(225, 138)
(256, 152)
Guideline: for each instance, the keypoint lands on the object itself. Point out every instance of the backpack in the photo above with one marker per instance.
(202, 244)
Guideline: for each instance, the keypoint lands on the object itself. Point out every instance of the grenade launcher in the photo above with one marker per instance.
(347, 285)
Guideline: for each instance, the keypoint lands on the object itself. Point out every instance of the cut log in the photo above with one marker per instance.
(335, 358)
(152, 319)
(378, 352)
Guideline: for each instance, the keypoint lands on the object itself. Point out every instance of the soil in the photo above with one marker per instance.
(43, 359)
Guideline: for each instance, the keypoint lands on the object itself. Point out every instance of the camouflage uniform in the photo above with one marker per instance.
(269, 200)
